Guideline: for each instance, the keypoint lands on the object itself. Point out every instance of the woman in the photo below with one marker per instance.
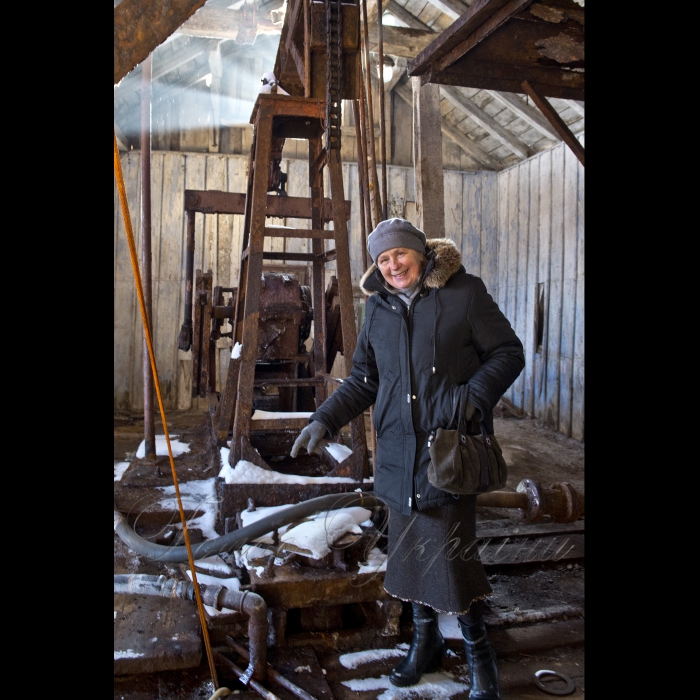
(431, 332)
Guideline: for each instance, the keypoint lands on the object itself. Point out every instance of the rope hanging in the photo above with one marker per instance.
(151, 354)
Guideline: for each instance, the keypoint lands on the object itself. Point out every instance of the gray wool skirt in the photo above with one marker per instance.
(433, 557)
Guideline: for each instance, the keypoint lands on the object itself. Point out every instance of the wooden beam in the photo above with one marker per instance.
(557, 122)
(452, 8)
(471, 148)
(427, 137)
(404, 15)
(464, 104)
(142, 25)
(577, 106)
(526, 112)
(225, 23)
(400, 41)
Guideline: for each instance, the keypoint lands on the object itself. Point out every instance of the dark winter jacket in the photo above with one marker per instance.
(408, 363)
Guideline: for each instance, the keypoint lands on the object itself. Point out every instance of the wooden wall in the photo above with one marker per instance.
(541, 242)
(516, 229)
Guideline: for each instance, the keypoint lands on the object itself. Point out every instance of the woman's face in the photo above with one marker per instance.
(401, 267)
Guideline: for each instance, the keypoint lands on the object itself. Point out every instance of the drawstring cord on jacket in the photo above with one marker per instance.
(369, 327)
(435, 325)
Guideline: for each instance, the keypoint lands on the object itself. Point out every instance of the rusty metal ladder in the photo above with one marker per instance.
(276, 117)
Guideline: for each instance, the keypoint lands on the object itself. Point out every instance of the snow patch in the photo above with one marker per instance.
(176, 446)
(248, 473)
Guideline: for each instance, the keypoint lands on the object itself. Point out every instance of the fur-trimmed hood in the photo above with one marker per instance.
(446, 261)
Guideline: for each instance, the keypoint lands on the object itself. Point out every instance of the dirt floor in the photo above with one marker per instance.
(551, 587)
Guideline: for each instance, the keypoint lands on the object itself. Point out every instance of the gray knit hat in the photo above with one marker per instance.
(395, 233)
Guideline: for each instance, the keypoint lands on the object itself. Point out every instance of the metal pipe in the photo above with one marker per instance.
(365, 157)
(273, 675)
(250, 604)
(185, 340)
(377, 210)
(361, 179)
(236, 539)
(149, 426)
(382, 120)
(259, 689)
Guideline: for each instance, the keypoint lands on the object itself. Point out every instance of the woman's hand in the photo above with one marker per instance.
(311, 438)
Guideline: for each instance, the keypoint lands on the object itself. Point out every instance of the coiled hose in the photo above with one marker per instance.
(236, 539)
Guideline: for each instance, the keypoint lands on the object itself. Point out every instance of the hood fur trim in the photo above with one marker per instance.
(447, 261)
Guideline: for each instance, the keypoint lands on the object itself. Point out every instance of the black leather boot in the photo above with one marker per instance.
(425, 653)
(483, 668)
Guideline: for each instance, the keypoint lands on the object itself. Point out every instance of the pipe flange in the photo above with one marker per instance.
(570, 685)
(573, 509)
(535, 500)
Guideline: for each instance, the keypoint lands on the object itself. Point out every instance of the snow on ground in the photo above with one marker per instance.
(176, 446)
(434, 686)
(127, 654)
(357, 658)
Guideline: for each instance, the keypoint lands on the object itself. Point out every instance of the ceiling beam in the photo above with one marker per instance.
(400, 41)
(224, 23)
(452, 8)
(404, 15)
(526, 112)
(142, 25)
(470, 147)
(484, 120)
(557, 122)
(577, 106)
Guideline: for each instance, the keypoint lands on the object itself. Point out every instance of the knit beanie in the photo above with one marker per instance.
(395, 233)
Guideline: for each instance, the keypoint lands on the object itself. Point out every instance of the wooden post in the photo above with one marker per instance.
(427, 136)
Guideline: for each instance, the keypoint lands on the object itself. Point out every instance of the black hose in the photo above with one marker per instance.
(236, 539)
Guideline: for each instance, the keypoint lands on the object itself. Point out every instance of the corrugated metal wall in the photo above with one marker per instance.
(521, 230)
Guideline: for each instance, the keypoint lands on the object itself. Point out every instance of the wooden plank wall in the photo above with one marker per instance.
(540, 241)
(516, 229)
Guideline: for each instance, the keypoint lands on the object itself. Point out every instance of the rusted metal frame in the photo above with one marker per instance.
(273, 675)
(259, 689)
(250, 294)
(279, 423)
(479, 34)
(375, 197)
(227, 404)
(382, 117)
(298, 62)
(201, 351)
(184, 342)
(477, 14)
(361, 165)
(555, 120)
(362, 148)
(318, 266)
(299, 233)
(291, 19)
(219, 202)
(330, 378)
(357, 464)
(149, 428)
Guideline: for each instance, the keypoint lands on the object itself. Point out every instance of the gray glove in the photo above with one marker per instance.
(310, 438)
(469, 412)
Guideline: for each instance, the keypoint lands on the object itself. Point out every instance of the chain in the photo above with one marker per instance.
(334, 75)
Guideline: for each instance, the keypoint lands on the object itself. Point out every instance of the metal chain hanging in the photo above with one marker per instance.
(334, 75)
